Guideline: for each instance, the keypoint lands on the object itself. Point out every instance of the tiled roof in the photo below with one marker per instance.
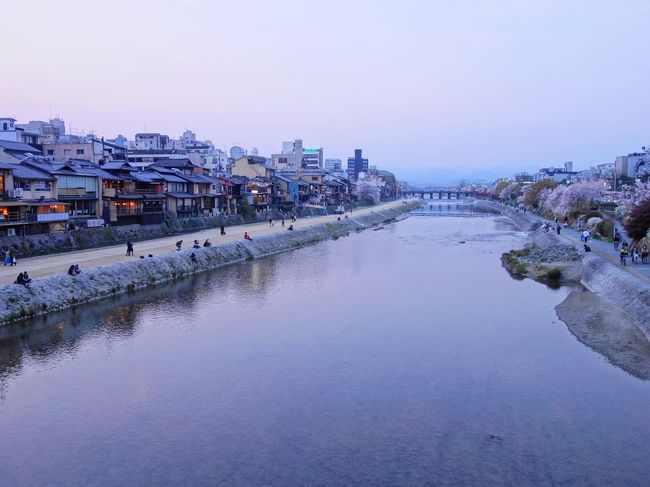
(18, 147)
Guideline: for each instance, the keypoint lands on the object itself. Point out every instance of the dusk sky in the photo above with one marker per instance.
(413, 83)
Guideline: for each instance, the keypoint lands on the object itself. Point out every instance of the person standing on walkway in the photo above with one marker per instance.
(7, 259)
(283, 223)
(223, 230)
(586, 235)
(558, 228)
(270, 222)
(644, 254)
(12, 253)
(635, 255)
(129, 248)
(617, 239)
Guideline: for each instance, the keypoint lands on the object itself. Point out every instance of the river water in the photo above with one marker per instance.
(402, 356)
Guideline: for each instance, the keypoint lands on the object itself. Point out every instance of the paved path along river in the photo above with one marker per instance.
(48, 265)
(600, 247)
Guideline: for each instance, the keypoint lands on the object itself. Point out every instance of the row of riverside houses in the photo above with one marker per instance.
(50, 181)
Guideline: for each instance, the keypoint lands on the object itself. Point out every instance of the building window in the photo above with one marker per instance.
(66, 152)
(4, 126)
(80, 151)
(50, 152)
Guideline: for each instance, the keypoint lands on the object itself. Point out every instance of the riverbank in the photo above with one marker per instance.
(93, 238)
(63, 291)
(608, 312)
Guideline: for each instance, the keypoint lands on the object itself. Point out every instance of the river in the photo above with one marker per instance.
(401, 356)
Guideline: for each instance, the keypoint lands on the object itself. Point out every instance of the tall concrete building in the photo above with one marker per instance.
(291, 156)
(312, 158)
(333, 165)
(357, 164)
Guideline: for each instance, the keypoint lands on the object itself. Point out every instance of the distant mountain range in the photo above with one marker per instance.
(451, 176)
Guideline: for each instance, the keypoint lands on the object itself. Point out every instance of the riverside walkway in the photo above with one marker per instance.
(600, 247)
(48, 265)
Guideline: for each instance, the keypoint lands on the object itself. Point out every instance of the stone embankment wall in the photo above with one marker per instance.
(599, 275)
(64, 291)
(91, 238)
(630, 292)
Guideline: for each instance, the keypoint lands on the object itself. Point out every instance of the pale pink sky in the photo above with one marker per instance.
(414, 83)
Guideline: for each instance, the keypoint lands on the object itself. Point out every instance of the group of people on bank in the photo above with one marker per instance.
(74, 269)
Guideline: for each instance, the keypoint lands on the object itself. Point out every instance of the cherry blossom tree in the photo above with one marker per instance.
(510, 192)
(561, 200)
(631, 196)
(368, 191)
(581, 192)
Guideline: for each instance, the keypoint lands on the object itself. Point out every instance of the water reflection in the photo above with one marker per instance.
(60, 333)
(461, 207)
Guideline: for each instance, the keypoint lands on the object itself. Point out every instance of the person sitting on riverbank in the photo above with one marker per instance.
(207, 243)
(179, 245)
(193, 257)
(290, 227)
(587, 248)
(247, 236)
(74, 270)
(196, 245)
(23, 279)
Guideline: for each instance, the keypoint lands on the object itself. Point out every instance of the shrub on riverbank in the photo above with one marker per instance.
(605, 229)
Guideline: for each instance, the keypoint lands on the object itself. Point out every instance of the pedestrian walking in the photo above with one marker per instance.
(7, 259)
(585, 236)
(558, 228)
(617, 239)
(283, 223)
(644, 254)
(270, 222)
(129, 248)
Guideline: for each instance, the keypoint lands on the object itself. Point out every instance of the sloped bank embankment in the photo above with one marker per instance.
(60, 292)
(611, 313)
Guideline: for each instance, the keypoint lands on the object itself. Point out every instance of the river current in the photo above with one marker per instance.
(401, 356)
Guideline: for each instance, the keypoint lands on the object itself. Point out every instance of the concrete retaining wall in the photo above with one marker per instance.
(626, 290)
(64, 291)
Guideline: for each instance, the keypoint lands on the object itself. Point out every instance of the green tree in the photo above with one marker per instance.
(501, 186)
(530, 198)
